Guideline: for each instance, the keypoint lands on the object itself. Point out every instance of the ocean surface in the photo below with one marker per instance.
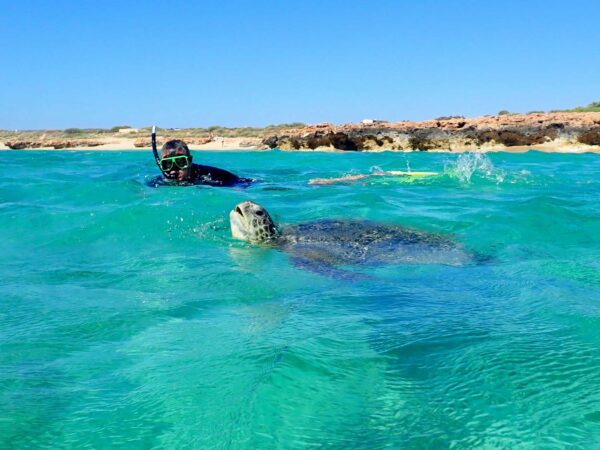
(129, 318)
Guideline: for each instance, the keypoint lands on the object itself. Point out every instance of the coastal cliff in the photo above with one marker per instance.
(545, 131)
(552, 132)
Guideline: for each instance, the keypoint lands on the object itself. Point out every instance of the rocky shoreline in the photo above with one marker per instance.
(544, 131)
(552, 132)
(57, 144)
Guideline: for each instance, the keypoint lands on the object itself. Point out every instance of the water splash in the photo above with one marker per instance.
(375, 169)
(469, 165)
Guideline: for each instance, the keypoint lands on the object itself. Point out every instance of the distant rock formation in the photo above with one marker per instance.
(250, 143)
(20, 145)
(447, 134)
(56, 144)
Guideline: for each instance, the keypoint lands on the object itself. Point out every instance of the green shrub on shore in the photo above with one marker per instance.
(116, 128)
(183, 133)
(592, 107)
(449, 117)
(288, 125)
(218, 130)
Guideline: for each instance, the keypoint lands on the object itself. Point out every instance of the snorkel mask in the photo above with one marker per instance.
(169, 163)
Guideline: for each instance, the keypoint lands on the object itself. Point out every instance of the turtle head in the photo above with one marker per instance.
(251, 222)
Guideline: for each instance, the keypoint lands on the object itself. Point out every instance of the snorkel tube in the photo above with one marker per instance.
(154, 150)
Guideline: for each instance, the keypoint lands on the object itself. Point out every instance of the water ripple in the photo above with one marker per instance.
(129, 318)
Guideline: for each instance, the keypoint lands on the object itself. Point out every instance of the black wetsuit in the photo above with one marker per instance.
(214, 176)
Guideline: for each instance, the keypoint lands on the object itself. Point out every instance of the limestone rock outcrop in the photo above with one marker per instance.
(447, 134)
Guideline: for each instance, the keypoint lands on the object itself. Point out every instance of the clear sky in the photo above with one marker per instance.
(251, 63)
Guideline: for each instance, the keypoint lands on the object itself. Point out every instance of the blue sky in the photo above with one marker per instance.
(253, 63)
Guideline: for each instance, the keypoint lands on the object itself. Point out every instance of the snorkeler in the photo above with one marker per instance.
(175, 163)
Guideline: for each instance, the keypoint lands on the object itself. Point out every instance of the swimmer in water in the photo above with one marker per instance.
(175, 163)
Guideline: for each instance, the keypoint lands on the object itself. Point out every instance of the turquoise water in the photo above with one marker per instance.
(130, 319)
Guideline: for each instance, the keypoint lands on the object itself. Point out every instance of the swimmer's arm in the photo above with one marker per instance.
(337, 180)
(409, 174)
(353, 177)
(396, 173)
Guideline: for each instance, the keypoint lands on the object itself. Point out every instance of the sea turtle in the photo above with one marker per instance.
(325, 245)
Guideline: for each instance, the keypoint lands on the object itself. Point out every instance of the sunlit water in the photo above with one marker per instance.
(129, 318)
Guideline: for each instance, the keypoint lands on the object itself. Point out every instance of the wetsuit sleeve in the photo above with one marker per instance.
(214, 176)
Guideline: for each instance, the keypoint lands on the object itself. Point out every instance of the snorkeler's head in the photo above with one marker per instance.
(175, 160)
(173, 148)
